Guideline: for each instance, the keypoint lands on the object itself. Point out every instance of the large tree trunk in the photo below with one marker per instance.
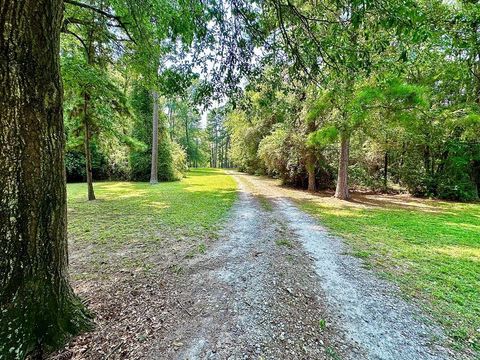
(88, 153)
(38, 309)
(342, 180)
(154, 169)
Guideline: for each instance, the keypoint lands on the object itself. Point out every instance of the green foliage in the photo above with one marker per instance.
(75, 166)
(179, 161)
(172, 159)
(271, 151)
(455, 179)
(323, 137)
(140, 158)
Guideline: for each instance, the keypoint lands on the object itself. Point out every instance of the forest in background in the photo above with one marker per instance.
(394, 108)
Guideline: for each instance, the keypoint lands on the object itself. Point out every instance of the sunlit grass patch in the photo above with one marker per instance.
(430, 248)
(140, 212)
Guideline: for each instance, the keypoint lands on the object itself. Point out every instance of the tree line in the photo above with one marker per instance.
(376, 95)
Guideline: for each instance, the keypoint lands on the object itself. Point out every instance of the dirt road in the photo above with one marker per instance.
(277, 285)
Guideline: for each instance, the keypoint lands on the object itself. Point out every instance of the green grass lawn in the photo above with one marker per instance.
(430, 248)
(127, 213)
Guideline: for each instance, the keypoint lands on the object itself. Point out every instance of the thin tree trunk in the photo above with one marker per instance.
(227, 147)
(171, 121)
(311, 172)
(342, 180)
(86, 125)
(154, 169)
(88, 153)
(385, 171)
(311, 160)
(196, 153)
(38, 309)
(189, 152)
(211, 155)
(220, 156)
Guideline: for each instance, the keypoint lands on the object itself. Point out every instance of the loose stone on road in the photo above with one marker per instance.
(278, 285)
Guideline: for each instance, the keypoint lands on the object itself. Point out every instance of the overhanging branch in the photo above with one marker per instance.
(103, 13)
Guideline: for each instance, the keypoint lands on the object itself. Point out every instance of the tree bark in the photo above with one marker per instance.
(154, 168)
(38, 309)
(385, 171)
(311, 172)
(227, 147)
(171, 121)
(311, 160)
(86, 124)
(187, 137)
(342, 180)
(88, 153)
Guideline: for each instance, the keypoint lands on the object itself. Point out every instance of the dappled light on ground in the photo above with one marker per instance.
(466, 253)
(123, 210)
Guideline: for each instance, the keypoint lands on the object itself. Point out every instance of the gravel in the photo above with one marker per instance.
(253, 295)
(368, 310)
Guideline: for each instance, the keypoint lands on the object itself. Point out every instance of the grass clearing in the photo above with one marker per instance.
(125, 209)
(128, 213)
(430, 248)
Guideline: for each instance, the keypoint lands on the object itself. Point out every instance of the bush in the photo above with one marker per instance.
(75, 166)
(180, 166)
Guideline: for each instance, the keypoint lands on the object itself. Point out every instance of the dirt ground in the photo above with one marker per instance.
(273, 284)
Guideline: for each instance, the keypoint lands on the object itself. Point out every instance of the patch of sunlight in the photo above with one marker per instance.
(464, 226)
(195, 188)
(332, 202)
(460, 252)
(403, 201)
(115, 186)
(137, 193)
(157, 205)
(344, 212)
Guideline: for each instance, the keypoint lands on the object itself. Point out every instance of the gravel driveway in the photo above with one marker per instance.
(277, 285)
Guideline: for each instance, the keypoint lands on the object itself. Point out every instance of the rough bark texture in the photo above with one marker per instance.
(154, 169)
(38, 310)
(342, 181)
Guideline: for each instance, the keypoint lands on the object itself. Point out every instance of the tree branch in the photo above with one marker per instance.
(103, 13)
(66, 31)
